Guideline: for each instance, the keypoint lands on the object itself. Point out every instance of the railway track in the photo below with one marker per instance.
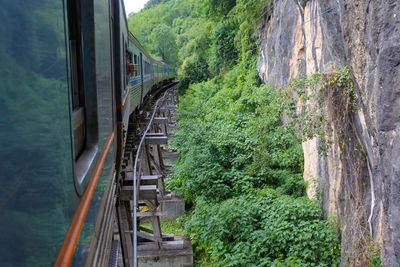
(141, 185)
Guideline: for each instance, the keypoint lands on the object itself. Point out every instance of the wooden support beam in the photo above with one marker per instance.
(149, 237)
(144, 229)
(155, 221)
(126, 240)
(145, 161)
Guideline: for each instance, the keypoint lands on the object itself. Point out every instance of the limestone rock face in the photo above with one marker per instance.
(361, 186)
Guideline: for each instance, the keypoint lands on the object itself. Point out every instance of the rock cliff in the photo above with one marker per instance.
(359, 179)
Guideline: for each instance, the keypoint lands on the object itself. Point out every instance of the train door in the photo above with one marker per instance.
(84, 90)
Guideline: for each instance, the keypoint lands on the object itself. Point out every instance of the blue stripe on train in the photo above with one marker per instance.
(134, 81)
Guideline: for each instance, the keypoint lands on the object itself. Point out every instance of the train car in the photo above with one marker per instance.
(71, 76)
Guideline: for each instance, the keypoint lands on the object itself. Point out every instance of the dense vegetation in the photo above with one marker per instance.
(240, 168)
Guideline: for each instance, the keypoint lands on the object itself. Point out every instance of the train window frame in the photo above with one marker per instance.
(129, 60)
(123, 63)
(135, 61)
(81, 19)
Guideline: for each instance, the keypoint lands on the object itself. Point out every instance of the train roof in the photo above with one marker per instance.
(136, 42)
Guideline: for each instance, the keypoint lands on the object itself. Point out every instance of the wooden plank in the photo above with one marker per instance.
(157, 140)
(167, 107)
(166, 196)
(151, 177)
(157, 120)
(168, 237)
(155, 221)
(165, 245)
(150, 214)
(155, 134)
(144, 180)
(126, 241)
(146, 192)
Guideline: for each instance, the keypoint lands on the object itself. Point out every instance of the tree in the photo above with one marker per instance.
(164, 43)
(220, 8)
(153, 3)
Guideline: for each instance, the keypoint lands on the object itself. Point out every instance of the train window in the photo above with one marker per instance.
(146, 68)
(78, 94)
(124, 65)
(83, 88)
(135, 62)
(130, 67)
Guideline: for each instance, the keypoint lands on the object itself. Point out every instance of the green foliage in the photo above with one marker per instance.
(194, 69)
(376, 260)
(325, 99)
(241, 160)
(223, 53)
(233, 142)
(308, 115)
(206, 32)
(365, 252)
(263, 228)
(153, 3)
(174, 226)
(231, 139)
(164, 43)
(248, 13)
(167, 13)
(374, 255)
(344, 80)
(218, 8)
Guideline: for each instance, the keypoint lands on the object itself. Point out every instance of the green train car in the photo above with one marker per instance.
(71, 76)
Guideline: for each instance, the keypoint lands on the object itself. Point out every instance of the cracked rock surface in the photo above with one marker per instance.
(303, 37)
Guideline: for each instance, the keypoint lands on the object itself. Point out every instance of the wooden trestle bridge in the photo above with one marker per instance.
(142, 185)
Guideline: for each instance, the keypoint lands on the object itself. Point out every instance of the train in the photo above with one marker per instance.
(72, 77)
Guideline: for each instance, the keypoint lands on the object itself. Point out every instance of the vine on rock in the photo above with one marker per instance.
(325, 109)
(325, 99)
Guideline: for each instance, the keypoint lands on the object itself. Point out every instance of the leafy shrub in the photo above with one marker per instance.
(264, 228)
(233, 142)
(241, 160)
(194, 70)
(231, 139)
